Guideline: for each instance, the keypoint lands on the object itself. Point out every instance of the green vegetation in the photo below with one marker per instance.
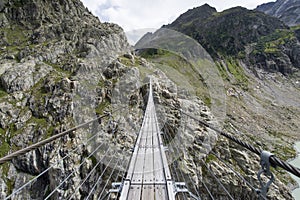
(233, 72)
(237, 71)
(100, 108)
(223, 71)
(2, 93)
(210, 158)
(180, 71)
(271, 44)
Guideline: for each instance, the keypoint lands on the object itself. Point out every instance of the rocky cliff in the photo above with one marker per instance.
(49, 49)
(286, 10)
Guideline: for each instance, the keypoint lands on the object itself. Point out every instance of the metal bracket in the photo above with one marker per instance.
(265, 169)
(116, 187)
(180, 187)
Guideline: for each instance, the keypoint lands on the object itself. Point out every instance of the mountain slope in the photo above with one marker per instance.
(251, 36)
(286, 10)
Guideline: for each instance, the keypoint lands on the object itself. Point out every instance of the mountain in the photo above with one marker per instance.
(286, 10)
(251, 35)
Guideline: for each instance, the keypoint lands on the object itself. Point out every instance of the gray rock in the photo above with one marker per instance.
(14, 79)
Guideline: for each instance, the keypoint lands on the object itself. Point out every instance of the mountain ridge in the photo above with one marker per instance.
(286, 10)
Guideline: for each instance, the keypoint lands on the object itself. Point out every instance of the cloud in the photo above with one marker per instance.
(137, 14)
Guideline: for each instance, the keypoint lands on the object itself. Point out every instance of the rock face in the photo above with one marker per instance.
(48, 49)
(286, 10)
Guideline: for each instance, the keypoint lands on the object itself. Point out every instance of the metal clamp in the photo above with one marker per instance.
(116, 187)
(265, 169)
(180, 187)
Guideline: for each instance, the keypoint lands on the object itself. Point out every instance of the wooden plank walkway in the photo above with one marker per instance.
(148, 176)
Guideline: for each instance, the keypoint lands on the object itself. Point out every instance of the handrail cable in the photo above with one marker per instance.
(273, 159)
(217, 179)
(89, 174)
(189, 177)
(112, 172)
(93, 188)
(57, 162)
(78, 167)
(210, 194)
(169, 138)
(15, 154)
(238, 174)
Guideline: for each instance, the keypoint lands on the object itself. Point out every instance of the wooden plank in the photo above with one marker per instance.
(148, 165)
(158, 165)
(161, 192)
(137, 177)
(148, 192)
(134, 192)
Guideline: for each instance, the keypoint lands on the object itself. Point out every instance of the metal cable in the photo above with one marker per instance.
(78, 167)
(273, 159)
(189, 177)
(211, 196)
(194, 185)
(90, 173)
(93, 188)
(169, 137)
(213, 174)
(106, 195)
(51, 139)
(46, 170)
(108, 179)
(238, 174)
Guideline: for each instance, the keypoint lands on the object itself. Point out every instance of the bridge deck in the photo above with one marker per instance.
(148, 175)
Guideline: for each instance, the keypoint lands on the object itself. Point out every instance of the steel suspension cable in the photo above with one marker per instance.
(198, 195)
(210, 194)
(51, 139)
(89, 174)
(169, 137)
(99, 178)
(213, 174)
(273, 159)
(238, 174)
(57, 162)
(109, 179)
(78, 167)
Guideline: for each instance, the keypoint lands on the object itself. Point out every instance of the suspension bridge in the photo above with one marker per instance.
(149, 175)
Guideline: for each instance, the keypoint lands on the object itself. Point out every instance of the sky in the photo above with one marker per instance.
(144, 14)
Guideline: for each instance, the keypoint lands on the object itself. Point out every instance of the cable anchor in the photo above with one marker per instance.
(265, 170)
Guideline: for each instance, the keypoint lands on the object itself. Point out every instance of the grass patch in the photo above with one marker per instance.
(179, 70)
(210, 158)
(100, 108)
(238, 72)
(2, 93)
